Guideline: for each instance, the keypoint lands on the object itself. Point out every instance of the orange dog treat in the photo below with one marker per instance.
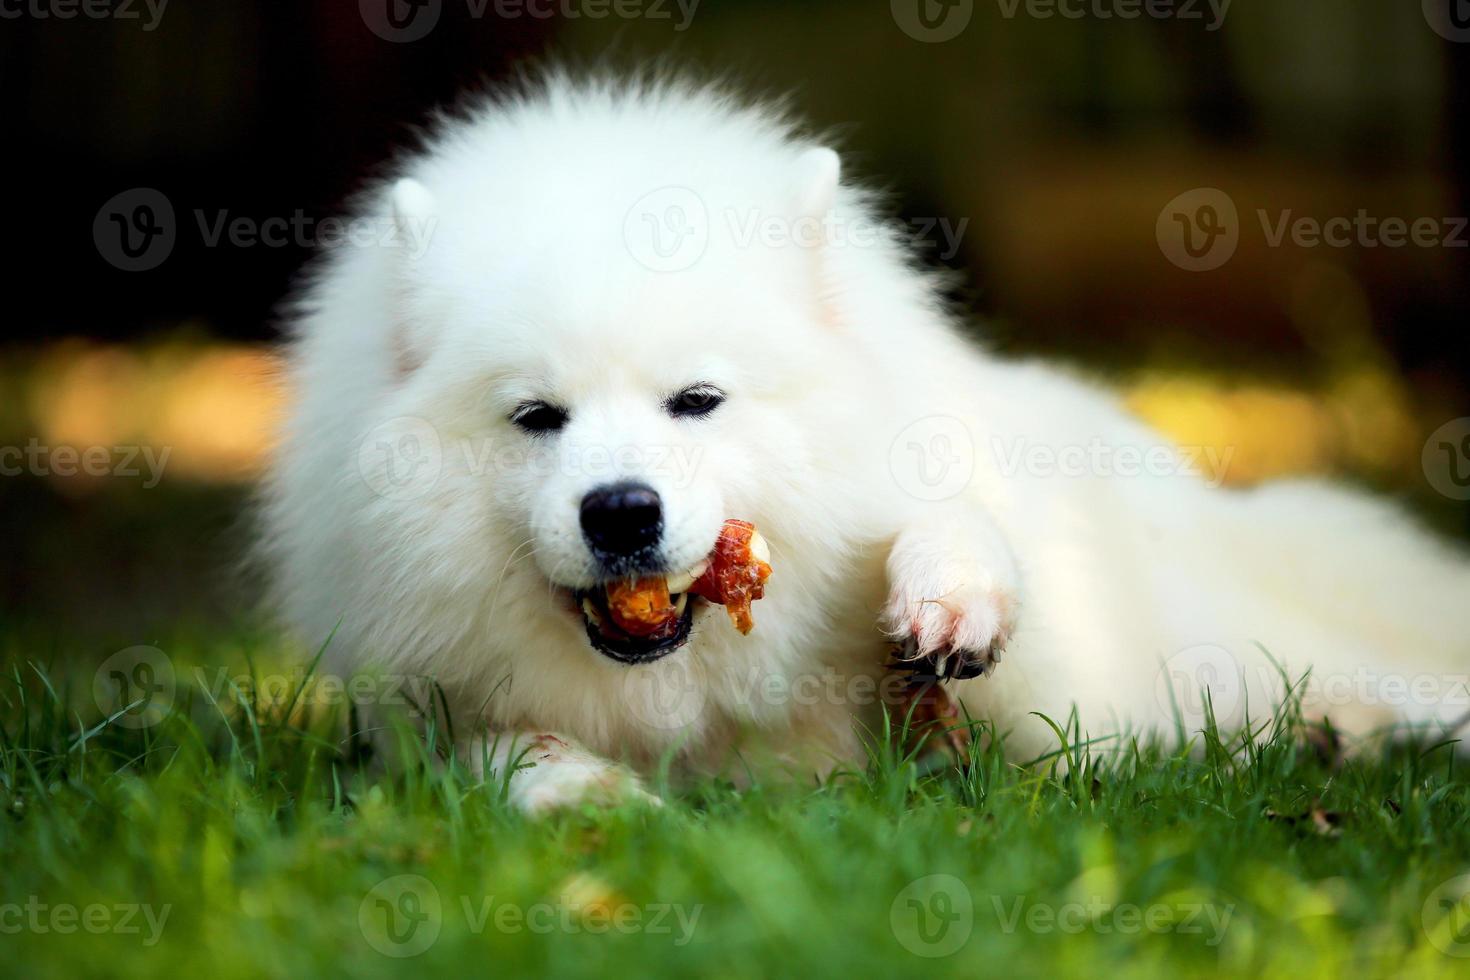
(734, 575)
(642, 607)
(737, 572)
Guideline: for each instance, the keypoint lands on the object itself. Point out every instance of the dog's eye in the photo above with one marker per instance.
(695, 401)
(539, 417)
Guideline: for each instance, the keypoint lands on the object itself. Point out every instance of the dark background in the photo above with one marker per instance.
(1057, 140)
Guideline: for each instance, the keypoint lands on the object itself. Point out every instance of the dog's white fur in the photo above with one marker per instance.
(512, 277)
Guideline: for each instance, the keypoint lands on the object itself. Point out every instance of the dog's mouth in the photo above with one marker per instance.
(611, 640)
(628, 638)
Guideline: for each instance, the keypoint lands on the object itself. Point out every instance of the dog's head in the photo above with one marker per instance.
(615, 350)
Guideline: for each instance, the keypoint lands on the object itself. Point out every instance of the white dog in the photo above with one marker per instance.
(589, 321)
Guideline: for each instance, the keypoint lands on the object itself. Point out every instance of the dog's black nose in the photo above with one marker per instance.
(622, 519)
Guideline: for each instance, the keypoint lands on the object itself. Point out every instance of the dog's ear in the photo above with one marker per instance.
(818, 172)
(414, 216)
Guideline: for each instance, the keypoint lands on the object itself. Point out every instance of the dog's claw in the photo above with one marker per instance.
(947, 664)
(955, 636)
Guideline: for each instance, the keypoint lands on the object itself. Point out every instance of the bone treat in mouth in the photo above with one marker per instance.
(642, 607)
(734, 575)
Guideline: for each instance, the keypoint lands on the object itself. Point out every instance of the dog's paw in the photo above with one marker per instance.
(558, 775)
(956, 633)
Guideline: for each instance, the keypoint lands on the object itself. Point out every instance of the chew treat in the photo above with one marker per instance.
(642, 607)
(737, 572)
(652, 607)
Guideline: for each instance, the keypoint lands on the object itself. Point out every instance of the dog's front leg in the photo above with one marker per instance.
(543, 772)
(954, 592)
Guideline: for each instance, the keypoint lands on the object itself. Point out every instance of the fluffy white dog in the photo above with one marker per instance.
(604, 317)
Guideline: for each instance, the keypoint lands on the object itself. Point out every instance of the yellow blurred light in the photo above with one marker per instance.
(215, 407)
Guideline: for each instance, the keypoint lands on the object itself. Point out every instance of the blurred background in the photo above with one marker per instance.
(1134, 194)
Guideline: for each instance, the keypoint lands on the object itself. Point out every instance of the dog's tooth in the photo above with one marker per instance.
(759, 549)
(591, 611)
(680, 603)
(681, 581)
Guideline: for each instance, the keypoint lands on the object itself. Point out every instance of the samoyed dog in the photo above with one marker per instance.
(601, 317)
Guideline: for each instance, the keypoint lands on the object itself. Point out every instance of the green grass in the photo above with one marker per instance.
(271, 854)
